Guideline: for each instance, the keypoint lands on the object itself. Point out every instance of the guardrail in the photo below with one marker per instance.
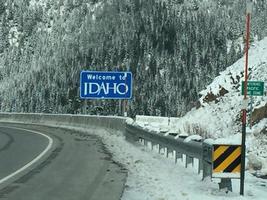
(180, 147)
(85, 121)
(191, 149)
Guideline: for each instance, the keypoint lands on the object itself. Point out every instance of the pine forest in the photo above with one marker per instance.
(173, 48)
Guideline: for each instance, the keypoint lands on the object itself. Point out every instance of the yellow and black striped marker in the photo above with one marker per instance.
(226, 158)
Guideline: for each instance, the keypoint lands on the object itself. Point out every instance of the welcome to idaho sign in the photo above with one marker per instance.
(105, 85)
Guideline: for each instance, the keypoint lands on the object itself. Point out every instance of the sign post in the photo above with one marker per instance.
(250, 112)
(244, 111)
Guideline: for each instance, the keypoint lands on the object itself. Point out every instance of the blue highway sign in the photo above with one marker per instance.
(105, 85)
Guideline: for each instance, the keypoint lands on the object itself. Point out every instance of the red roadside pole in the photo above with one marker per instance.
(244, 111)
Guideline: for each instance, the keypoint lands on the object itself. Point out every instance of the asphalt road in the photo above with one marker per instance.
(76, 167)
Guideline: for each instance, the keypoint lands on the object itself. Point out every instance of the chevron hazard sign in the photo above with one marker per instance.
(226, 158)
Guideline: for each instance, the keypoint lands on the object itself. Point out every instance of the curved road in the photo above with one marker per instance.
(75, 166)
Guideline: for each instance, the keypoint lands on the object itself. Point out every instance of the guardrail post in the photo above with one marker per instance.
(200, 165)
(188, 160)
(159, 148)
(165, 151)
(152, 145)
(145, 142)
(207, 160)
(169, 151)
(226, 183)
(178, 155)
(207, 170)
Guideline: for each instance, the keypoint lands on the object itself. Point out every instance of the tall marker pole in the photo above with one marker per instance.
(245, 101)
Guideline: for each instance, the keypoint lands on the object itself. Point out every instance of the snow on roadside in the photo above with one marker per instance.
(151, 176)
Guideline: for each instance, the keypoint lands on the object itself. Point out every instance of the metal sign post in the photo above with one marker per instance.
(250, 114)
(244, 111)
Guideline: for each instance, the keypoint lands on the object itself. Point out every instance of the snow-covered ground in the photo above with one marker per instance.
(152, 176)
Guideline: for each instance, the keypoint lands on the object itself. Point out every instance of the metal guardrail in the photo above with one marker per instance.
(188, 149)
(191, 149)
(85, 121)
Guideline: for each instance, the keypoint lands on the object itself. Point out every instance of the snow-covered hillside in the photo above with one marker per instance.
(218, 114)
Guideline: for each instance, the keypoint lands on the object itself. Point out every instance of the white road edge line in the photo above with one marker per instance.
(49, 146)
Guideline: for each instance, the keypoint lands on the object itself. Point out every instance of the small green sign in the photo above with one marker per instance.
(254, 88)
